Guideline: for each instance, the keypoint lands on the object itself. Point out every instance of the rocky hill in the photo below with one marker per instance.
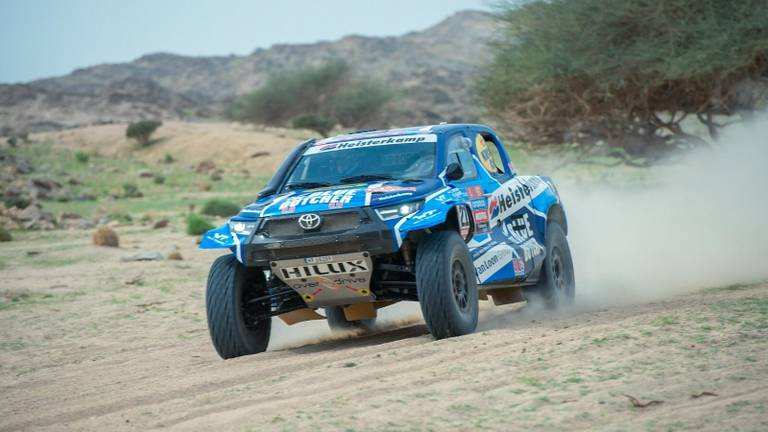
(432, 68)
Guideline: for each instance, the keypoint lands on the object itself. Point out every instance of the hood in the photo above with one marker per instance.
(375, 194)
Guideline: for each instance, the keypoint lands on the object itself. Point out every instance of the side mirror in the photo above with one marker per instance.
(454, 171)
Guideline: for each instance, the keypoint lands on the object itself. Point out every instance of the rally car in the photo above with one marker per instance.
(353, 223)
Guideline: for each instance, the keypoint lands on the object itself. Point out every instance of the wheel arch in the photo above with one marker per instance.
(450, 223)
(556, 214)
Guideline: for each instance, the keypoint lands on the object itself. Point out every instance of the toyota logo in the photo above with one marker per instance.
(310, 221)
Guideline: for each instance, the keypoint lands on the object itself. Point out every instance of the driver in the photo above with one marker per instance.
(342, 164)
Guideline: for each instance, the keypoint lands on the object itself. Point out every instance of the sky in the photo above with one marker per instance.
(44, 38)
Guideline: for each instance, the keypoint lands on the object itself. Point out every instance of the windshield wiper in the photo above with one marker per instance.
(306, 185)
(366, 177)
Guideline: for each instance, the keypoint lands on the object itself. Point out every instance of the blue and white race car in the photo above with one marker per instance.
(353, 223)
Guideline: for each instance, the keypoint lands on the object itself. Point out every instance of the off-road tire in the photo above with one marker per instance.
(556, 287)
(338, 322)
(440, 259)
(228, 282)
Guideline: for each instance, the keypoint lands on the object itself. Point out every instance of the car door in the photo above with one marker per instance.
(501, 244)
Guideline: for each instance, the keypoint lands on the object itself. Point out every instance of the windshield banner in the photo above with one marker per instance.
(371, 142)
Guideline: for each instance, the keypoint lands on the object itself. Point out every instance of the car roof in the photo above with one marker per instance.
(442, 128)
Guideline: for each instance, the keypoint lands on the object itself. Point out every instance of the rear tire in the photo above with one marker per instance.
(446, 285)
(338, 322)
(557, 286)
(229, 284)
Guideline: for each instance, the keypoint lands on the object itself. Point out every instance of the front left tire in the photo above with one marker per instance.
(234, 332)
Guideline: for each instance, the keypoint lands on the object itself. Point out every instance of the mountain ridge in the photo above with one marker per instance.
(431, 68)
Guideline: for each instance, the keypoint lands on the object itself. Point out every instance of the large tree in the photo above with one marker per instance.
(625, 71)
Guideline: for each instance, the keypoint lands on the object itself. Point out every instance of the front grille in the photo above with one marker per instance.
(337, 222)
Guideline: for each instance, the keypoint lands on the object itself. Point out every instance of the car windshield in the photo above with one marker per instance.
(406, 161)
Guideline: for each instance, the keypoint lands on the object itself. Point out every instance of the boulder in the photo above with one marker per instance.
(143, 256)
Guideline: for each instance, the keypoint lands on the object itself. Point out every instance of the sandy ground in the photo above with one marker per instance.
(94, 343)
(228, 144)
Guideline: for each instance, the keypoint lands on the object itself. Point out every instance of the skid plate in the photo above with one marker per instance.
(330, 280)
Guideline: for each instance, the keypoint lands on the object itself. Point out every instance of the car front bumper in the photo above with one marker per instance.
(371, 235)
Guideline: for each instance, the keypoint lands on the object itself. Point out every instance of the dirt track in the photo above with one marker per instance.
(83, 350)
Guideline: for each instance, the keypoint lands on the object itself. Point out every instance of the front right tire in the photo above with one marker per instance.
(233, 331)
(446, 285)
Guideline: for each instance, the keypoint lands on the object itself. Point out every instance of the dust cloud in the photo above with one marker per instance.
(702, 223)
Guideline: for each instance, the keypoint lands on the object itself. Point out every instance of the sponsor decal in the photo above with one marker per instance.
(474, 191)
(349, 280)
(390, 188)
(220, 238)
(305, 285)
(426, 215)
(334, 199)
(464, 222)
(518, 229)
(371, 142)
(479, 204)
(324, 269)
(481, 215)
(483, 227)
(519, 265)
(531, 249)
(486, 158)
(492, 261)
(514, 195)
(493, 208)
(389, 197)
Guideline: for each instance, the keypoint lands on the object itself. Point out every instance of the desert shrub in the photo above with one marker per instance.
(82, 157)
(198, 225)
(219, 207)
(638, 71)
(168, 159)
(159, 179)
(142, 131)
(120, 217)
(316, 97)
(130, 190)
(18, 201)
(106, 236)
(314, 122)
(5, 236)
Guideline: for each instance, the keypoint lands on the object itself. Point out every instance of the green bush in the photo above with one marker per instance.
(159, 179)
(219, 207)
(314, 122)
(324, 92)
(121, 217)
(18, 201)
(198, 225)
(142, 131)
(168, 159)
(5, 236)
(82, 157)
(130, 190)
